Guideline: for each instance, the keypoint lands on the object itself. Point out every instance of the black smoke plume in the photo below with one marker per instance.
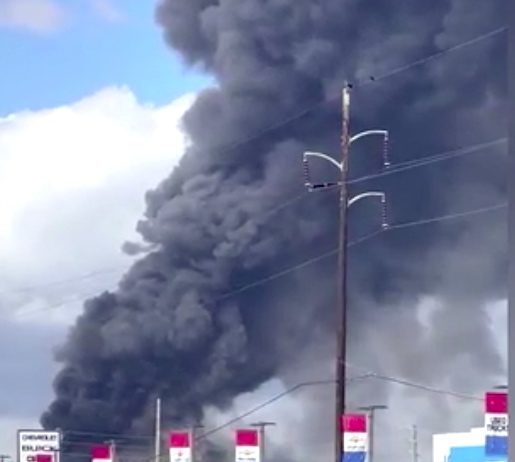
(178, 327)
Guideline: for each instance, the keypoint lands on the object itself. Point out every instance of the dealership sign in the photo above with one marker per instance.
(180, 446)
(34, 445)
(496, 426)
(355, 437)
(247, 446)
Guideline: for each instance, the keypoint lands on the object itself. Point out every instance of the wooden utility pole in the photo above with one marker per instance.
(345, 203)
(341, 307)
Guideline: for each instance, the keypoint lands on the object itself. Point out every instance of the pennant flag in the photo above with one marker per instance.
(355, 437)
(496, 426)
(101, 453)
(180, 447)
(247, 446)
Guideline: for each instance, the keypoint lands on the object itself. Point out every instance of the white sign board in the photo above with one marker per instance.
(496, 425)
(247, 454)
(180, 454)
(355, 442)
(36, 442)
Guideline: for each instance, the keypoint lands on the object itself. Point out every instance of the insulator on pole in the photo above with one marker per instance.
(307, 178)
(384, 215)
(386, 160)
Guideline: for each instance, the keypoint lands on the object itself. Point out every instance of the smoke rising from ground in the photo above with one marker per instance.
(171, 330)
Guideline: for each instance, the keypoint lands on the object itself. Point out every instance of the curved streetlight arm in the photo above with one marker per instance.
(337, 164)
(379, 194)
(358, 136)
(383, 133)
(368, 194)
(307, 174)
(311, 186)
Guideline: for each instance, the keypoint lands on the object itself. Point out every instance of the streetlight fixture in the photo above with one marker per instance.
(370, 410)
(261, 426)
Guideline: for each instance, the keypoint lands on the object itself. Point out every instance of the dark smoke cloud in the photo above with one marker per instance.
(169, 329)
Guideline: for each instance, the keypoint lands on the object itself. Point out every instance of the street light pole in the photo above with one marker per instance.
(157, 430)
(371, 414)
(262, 426)
(341, 301)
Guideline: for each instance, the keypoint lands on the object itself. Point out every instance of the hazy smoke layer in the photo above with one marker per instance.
(171, 330)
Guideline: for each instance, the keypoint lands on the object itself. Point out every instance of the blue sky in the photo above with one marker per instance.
(87, 45)
(79, 175)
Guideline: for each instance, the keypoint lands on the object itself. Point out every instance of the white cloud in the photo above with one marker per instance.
(35, 15)
(107, 10)
(72, 183)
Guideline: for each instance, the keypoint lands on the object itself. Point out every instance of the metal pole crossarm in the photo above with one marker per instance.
(381, 195)
(384, 134)
(357, 198)
(339, 165)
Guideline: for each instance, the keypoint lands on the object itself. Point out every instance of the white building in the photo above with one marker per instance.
(459, 447)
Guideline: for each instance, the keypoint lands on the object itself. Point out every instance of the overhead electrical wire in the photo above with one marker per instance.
(389, 73)
(435, 158)
(334, 251)
(400, 167)
(432, 57)
(367, 375)
(394, 169)
(285, 121)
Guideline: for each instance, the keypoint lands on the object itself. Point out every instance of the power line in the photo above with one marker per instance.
(108, 435)
(427, 388)
(331, 252)
(394, 71)
(101, 272)
(296, 116)
(434, 56)
(451, 216)
(77, 299)
(82, 277)
(424, 161)
(400, 167)
(322, 256)
(367, 375)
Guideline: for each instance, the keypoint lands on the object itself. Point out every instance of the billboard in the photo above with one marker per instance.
(355, 437)
(496, 426)
(247, 446)
(34, 445)
(180, 446)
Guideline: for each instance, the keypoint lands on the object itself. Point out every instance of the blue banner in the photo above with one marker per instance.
(496, 447)
(354, 457)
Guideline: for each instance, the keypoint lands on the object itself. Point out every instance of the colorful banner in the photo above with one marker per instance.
(496, 426)
(247, 446)
(101, 453)
(355, 437)
(180, 447)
